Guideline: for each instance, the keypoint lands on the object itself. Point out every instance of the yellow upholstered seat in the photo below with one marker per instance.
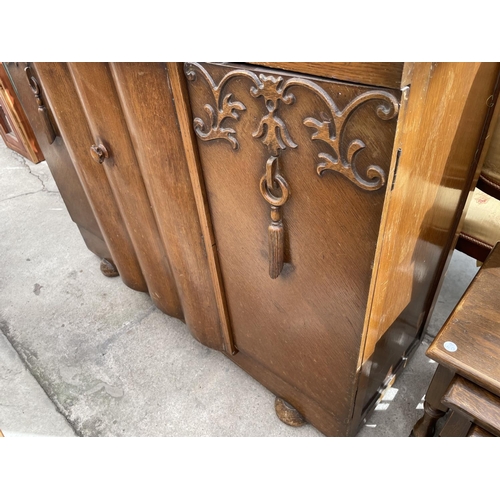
(481, 229)
(482, 221)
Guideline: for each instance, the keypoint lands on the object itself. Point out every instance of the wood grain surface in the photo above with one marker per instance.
(382, 74)
(364, 196)
(443, 131)
(476, 431)
(158, 147)
(305, 326)
(476, 404)
(104, 115)
(69, 115)
(456, 425)
(474, 328)
(438, 143)
(184, 117)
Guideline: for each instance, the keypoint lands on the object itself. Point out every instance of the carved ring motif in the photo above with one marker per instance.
(269, 181)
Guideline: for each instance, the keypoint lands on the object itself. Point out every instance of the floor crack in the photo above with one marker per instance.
(22, 160)
(22, 194)
(126, 327)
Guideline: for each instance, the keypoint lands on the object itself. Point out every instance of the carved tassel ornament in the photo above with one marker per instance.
(272, 180)
(276, 235)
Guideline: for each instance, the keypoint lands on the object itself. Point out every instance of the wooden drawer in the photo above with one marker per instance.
(380, 74)
(330, 146)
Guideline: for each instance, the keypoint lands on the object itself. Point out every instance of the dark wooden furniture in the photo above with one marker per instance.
(15, 128)
(298, 217)
(26, 87)
(467, 380)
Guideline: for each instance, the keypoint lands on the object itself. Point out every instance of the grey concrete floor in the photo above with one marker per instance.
(83, 355)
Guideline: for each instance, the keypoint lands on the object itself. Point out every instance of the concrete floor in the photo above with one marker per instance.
(83, 355)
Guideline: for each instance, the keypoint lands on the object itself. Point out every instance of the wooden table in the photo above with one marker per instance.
(467, 380)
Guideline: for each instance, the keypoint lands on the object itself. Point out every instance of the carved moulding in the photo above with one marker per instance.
(275, 136)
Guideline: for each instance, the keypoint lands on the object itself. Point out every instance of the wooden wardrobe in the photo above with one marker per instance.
(297, 216)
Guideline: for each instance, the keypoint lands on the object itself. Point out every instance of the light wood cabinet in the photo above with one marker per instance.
(298, 217)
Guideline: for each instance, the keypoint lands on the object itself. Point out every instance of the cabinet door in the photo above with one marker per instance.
(32, 97)
(295, 171)
(138, 184)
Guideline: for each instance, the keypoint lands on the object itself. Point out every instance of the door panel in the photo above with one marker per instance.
(304, 324)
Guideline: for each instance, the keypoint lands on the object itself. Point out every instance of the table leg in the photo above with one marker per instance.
(433, 408)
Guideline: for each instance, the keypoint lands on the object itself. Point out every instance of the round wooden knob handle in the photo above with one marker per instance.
(99, 153)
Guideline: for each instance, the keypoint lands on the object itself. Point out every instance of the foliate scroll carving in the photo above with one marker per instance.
(274, 134)
(343, 161)
(228, 109)
(271, 128)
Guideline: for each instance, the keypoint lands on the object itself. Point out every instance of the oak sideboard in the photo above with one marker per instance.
(297, 217)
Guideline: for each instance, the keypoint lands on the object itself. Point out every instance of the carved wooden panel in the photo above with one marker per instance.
(317, 153)
(274, 134)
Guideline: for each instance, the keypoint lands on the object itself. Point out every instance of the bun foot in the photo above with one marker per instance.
(288, 414)
(109, 269)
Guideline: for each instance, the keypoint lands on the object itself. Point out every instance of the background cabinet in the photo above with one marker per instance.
(208, 193)
(15, 129)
